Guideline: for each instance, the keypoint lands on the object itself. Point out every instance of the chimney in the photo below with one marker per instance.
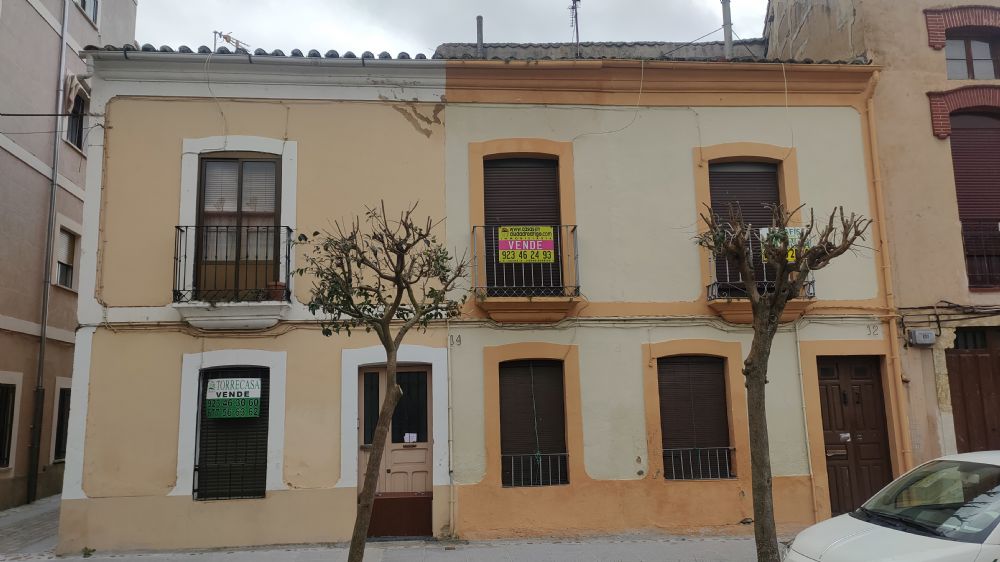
(727, 26)
(479, 37)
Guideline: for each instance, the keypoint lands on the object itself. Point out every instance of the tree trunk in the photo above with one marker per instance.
(755, 372)
(366, 500)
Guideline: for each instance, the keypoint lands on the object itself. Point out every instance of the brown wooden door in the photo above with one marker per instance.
(974, 379)
(854, 430)
(404, 493)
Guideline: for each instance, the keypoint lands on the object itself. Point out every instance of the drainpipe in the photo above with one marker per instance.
(480, 53)
(727, 26)
(39, 403)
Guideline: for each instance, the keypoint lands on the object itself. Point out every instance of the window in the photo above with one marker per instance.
(972, 58)
(62, 423)
(694, 418)
(65, 256)
(238, 235)
(523, 192)
(975, 154)
(90, 8)
(532, 424)
(409, 421)
(231, 459)
(751, 188)
(8, 392)
(75, 122)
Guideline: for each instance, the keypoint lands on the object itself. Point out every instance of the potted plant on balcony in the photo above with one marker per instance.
(275, 291)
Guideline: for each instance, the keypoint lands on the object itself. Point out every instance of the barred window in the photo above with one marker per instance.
(533, 424)
(231, 457)
(62, 423)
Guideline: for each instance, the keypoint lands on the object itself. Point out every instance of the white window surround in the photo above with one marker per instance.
(61, 383)
(65, 223)
(250, 315)
(191, 368)
(16, 379)
(351, 362)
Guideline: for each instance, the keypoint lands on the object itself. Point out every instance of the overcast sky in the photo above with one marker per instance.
(418, 26)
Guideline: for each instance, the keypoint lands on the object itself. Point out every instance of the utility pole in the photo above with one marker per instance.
(727, 27)
(575, 23)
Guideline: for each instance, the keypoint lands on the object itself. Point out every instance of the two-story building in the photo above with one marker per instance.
(44, 132)
(937, 110)
(592, 383)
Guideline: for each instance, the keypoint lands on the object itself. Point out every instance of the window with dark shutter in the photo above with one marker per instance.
(8, 393)
(752, 190)
(694, 418)
(65, 255)
(410, 416)
(533, 424)
(522, 192)
(62, 423)
(232, 433)
(975, 153)
(75, 122)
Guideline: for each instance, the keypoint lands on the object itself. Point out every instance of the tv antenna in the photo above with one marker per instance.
(227, 38)
(574, 22)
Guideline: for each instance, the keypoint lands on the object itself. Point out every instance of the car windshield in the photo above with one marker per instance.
(954, 500)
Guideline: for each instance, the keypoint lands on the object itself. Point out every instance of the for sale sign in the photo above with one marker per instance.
(526, 244)
(232, 398)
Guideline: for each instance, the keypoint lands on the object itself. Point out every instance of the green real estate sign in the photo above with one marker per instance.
(233, 398)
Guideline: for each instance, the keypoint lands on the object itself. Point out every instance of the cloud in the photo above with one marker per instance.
(419, 26)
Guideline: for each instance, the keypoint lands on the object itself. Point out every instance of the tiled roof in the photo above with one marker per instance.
(313, 53)
(710, 50)
(695, 52)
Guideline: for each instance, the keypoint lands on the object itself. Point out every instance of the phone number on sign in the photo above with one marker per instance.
(527, 256)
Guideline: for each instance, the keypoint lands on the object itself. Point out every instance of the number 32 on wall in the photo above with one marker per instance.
(874, 330)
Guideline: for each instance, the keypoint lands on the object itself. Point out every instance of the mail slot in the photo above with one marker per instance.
(836, 451)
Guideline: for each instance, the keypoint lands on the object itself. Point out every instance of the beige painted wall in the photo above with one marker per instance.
(611, 370)
(131, 442)
(350, 154)
(640, 180)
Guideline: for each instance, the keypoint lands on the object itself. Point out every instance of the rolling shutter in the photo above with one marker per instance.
(694, 416)
(232, 452)
(532, 423)
(521, 191)
(752, 188)
(975, 153)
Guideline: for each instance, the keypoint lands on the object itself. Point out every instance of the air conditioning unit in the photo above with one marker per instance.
(921, 336)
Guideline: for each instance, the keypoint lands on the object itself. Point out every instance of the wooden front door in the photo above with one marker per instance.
(854, 430)
(974, 379)
(404, 493)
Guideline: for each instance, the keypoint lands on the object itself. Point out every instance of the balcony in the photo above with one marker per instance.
(982, 253)
(526, 273)
(232, 277)
(727, 294)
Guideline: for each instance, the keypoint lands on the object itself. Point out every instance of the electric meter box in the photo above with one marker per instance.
(921, 336)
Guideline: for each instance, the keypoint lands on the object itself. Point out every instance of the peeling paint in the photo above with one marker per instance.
(410, 112)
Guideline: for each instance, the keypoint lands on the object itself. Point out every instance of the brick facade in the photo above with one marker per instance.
(943, 104)
(940, 20)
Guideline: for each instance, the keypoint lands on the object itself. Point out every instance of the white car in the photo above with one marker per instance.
(945, 510)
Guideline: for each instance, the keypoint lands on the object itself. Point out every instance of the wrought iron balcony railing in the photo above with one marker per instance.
(534, 469)
(232, 263)
(982, 253)
(712, 463)
(727, 279)
(525, 261)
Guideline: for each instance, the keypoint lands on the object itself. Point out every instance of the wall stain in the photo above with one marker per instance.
(410, 112)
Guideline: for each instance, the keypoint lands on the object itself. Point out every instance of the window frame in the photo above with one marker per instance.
(16, 380)
(992, 40)
(60, 425)
(76, 122)
(93, 14)
(75, 229)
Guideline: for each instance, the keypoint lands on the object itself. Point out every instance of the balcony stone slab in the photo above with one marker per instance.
(232, 315)
(739, 311)
(539, 310)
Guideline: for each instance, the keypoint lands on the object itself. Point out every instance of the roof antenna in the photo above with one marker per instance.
(574, 22)
(227, 38)
(479, 38)
(727, 26)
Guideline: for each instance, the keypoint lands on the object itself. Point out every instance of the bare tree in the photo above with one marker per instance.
(790, 260)
(389, 276)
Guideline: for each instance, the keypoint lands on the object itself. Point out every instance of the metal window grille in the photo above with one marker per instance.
(712, 463)
(532, 424)
(232, 263)
(970, 338)
(7, 395)
(231, 458)
(411, 411)
(62, 423)
(556, 278)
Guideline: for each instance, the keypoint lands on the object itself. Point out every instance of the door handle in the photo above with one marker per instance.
(836, 453)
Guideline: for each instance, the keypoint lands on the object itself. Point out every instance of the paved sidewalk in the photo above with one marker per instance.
(28, 533)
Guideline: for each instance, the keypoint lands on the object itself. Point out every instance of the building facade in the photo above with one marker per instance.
(592, 383)
(936, 107)
(34, 36)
